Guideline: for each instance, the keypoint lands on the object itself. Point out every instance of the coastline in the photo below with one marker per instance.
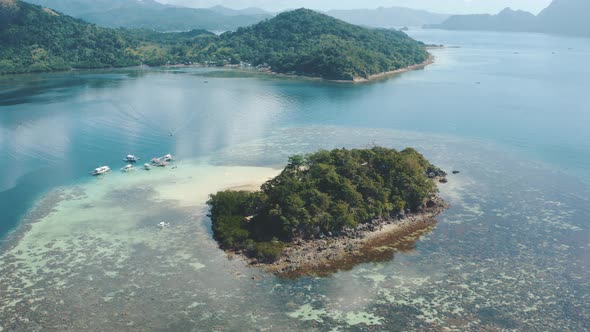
(377, 241)
(355, 80)
(387, 74)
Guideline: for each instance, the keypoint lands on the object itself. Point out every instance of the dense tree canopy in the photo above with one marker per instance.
(310, 43)
(36, 39)
(302, 42)
(323, 192)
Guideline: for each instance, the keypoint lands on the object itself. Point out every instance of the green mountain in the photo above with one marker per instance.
(149, 14)
(34, 39)
(40, 39)
(309, 43)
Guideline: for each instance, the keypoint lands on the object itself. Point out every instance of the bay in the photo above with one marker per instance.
(508, 110)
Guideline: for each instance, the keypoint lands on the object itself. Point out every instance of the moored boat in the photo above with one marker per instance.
(147, 167)
(127, 168)
(101, 170)
(159, 162)
(131, 159)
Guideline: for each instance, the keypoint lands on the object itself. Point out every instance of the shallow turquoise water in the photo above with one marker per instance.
(508, 110)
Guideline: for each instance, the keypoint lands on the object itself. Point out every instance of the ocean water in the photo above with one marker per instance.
(510, 111)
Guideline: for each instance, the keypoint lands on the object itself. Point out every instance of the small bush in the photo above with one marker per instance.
(268, 252)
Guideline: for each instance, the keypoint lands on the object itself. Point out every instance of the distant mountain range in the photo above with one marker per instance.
(150, 14)
(252, 11)
(568, 17)
(388, 17)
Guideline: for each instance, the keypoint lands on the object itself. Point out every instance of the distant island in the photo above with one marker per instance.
(300, 42)
(326, 206)
(567, 17)
(388, 17)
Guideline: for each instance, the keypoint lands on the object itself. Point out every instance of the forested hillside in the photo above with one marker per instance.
(301, 42)
(310, 43)
(36, 39)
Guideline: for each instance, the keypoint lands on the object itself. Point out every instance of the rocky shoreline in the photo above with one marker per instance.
(376, 241)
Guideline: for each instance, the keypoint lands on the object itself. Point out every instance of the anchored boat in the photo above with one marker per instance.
(101, 170)
(163, 225)
(127, 168)
(131, 159)
(159, 162)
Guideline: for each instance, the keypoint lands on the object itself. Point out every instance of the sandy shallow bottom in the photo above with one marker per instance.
(81, 243)
(511, 254)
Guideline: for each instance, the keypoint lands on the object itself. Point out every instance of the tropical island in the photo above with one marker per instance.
(300, 42)
(327, 206)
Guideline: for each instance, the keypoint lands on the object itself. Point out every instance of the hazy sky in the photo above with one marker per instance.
(446, 6)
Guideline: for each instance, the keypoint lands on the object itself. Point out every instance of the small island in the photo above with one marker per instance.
(327, 207)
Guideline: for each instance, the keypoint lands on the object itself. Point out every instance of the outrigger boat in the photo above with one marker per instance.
(163, 225)
(147, 167)
(168, 158)
(131, 159)
(159, 162)
(101, 170)
(127, 168)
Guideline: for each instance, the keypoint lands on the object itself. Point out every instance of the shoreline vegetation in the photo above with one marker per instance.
(330, 210)
(372, 78)
(299, 42)
(431, 60)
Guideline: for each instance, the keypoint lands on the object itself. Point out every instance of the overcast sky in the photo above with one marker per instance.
(446, 6)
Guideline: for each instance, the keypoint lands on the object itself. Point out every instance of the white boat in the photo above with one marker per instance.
(127, 168)
(159, 162)
(147, 167)
(164, 225)
(167, 157)
(131, 158)
(101, 170)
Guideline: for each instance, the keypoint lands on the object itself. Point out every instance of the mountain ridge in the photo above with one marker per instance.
(388, 17)
(150, 14)
(566, 17)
